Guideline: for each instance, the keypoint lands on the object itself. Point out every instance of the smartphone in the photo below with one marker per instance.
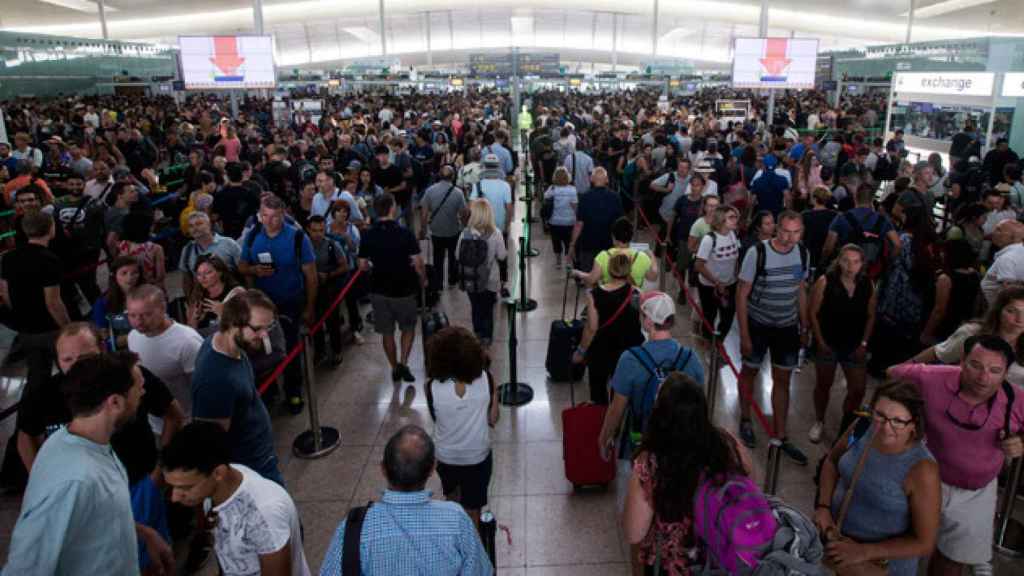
(265, 259)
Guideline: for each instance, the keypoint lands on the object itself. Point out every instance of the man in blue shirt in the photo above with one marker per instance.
(406, 532)
(504, 156)
(598, 209)
(634, 376)
(224, 388)
(76, 516)
(769, 187)
(281, 260)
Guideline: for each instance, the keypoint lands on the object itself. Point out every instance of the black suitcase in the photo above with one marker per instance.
(565, 335)
(433, 292)
(431, 321)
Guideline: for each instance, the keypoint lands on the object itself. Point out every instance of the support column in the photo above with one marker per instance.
(451, 33)
(615, 40)
(257, 16)
(654, 30)
(763, 33)
(910, 20)
(430, 51)
(103, 19)
(383, 33)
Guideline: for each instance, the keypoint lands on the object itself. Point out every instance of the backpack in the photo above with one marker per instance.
(658, 373)
(795, 549)
(306, 171)
(473, 269)
(871, 241)
(885, 169)
(830, 154)
(734, 520)
(899, 300)
(250, 239)
(762, 257)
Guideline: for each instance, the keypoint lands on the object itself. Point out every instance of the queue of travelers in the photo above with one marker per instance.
(155, 429)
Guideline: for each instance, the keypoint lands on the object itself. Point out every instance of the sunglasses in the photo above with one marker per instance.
(967, 417)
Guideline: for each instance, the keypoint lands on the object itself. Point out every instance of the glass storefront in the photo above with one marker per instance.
(942, 121)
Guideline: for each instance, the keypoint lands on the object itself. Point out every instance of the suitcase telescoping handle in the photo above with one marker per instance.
(565, 292)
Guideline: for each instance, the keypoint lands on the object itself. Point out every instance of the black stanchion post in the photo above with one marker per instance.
(1009, 531)
(319, 440)
(524, 304)
(530, 251)
(714, 367)
(513, 392)
(771, 471)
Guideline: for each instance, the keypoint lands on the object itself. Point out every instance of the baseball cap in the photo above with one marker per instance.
(770, 160)
(704, 167)
(657, 306)
(355, 165)
(491, 160)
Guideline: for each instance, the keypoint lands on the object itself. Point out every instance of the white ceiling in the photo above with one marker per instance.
(316, 31)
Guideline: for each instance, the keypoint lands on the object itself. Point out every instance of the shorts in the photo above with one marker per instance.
(466, 484)
(842, 356)
(966, 527)
(388, 311)
(782, 341)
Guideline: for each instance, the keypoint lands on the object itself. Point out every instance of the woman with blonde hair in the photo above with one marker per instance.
(481, 283)
(717, 257)
(564, 198)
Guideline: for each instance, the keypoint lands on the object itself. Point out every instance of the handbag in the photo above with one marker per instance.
(871, 567)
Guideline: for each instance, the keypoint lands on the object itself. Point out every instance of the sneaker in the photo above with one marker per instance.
(747, 434)
(357, 336)
(295, 405)
(405, 374)
(505, 293)
(558, 261)
(336, 360)
(794, 453)
(396, 374)
(815, 434)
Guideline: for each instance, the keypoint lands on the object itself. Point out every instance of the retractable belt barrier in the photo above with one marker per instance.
(297, 349)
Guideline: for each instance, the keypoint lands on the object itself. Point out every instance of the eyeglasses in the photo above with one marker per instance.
(266, 328)
(896, 423)
(969, 417)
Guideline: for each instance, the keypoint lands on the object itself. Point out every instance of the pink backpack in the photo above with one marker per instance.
(735, 522)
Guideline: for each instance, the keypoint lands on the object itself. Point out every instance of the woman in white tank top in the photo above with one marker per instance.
(461, 398)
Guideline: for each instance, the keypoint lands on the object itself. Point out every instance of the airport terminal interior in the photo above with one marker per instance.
(409, 287)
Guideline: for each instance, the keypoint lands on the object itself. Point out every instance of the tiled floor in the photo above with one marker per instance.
(551, 531)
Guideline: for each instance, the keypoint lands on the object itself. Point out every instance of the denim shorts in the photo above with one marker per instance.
(843, 356)
(782, 341)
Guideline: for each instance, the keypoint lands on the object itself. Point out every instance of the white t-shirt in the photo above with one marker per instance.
(171, 356)
(258, 519)
(1008, 267)
(461, 434)
(722, 263)
(952, 351)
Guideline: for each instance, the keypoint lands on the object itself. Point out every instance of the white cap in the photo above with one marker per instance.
(491, 160)
(657, 306)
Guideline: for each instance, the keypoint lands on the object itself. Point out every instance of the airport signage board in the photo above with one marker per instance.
(1013, 84)
(490, 65)
(227, 62)
(945, 83)
(775, 63)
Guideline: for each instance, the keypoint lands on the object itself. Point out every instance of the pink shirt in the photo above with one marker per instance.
(968, 459)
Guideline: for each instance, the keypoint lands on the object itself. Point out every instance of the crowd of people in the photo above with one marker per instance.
(806, 234)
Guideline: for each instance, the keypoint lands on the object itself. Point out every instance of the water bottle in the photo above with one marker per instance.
(488, 533)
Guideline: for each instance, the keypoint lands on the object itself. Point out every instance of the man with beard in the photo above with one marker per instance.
(76, 516)
(224, 388)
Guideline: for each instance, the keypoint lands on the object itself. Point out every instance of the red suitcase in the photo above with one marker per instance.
(581, 427)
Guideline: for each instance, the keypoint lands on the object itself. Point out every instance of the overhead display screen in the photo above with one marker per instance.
(227, 62)
(774, 63)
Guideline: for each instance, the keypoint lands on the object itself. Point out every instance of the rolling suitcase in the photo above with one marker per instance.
(581, 426)
(432, 295)
(562, 340)
(431, 321)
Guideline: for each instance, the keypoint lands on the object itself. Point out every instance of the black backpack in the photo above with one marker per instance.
(762, 257)
(871, 241)
(885, 169)
(473, 269)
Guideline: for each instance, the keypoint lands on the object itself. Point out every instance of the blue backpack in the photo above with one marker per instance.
(658, 373)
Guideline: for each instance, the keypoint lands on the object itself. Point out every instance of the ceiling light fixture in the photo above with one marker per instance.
(81, 5)
(945, 7)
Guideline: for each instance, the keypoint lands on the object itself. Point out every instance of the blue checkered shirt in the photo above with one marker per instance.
(407, 533)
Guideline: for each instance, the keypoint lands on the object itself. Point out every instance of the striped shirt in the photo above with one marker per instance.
(774, 298)
(407, 533)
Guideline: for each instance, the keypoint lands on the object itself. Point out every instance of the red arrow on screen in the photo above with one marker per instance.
(225, 54)
(775, 60)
